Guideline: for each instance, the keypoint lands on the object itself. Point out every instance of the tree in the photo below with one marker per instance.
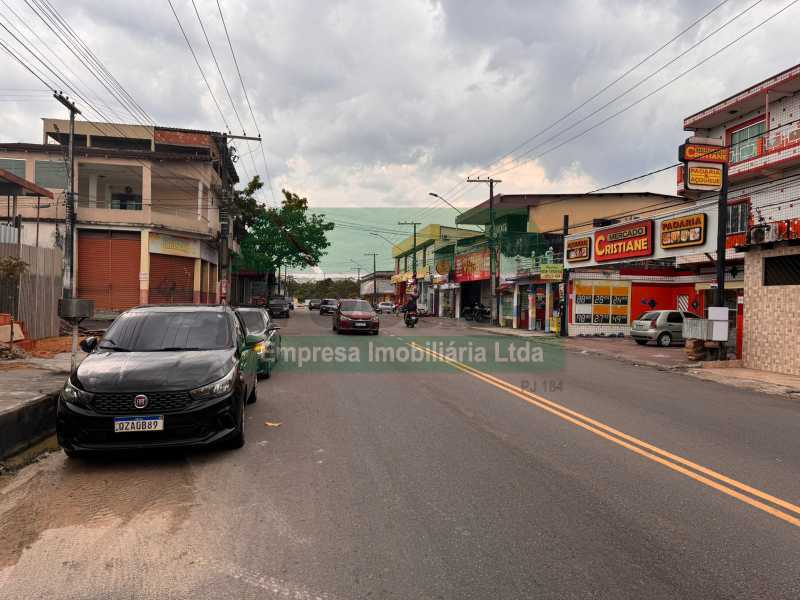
(284, 237)
(243, 206)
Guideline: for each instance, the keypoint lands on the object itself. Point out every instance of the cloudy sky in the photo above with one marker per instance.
(376, 103)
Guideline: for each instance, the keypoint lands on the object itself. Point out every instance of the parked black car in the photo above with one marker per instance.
(279, 307)
(161, 376)
(328, 306)
(258, 323)
(314, 304)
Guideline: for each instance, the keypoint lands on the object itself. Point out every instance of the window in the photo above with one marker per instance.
(126, 200)
(782, 270)
(689, 315)
(153, 331)
(252, 320)
(674, 317)
(738, 217)
(745, 141)
(51, 174)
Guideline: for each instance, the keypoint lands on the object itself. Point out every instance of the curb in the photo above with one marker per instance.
(24, 426)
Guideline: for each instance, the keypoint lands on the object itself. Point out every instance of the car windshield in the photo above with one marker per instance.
(329, 302)
(277, 301)
(253, 320)
(154, 331)
(356, 306)
(649, 316)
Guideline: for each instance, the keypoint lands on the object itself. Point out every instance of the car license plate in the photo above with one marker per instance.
(361, 324)
(131, 424)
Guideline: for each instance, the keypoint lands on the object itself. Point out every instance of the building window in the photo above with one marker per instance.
(126, 200)
(738, 217)
(745, 142)
(51, 174)
(782, 270)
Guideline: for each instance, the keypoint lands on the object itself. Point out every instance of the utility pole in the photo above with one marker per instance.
(414, 252)
(69, 234)
(374, 256)
(722, 234)
(492, 258)
(565, 281)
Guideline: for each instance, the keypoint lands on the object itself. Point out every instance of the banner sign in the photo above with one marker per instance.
(551, 272)
(703, 177)
(579, 249)
(684, 231)
(703, 153)
(473, 266)
(624, 241)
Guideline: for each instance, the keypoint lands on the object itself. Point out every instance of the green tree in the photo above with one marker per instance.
(288, 236)
(243, 206)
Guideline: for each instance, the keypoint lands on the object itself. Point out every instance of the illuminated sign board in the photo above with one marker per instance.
(623, 242)
(680, 232)
(703, 153)
(579, 249)
(703, 177)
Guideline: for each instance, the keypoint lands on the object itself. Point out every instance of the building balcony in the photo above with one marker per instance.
(762, 156)
(168, 218)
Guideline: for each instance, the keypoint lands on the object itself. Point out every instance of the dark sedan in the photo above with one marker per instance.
(162, 376)
(279, 307)
(314, 304)
(258, 323)
(328, 306)
(355, 315)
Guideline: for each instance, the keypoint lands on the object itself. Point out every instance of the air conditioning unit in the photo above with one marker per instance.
(764, 233)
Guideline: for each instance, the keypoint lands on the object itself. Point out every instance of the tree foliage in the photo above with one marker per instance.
(324, 288)
(288, 236)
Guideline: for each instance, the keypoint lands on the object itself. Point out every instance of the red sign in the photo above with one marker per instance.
(703, 153)
(473, 266)
(624, 241)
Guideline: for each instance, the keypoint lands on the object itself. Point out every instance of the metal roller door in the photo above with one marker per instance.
(108, 268)
(171, 279)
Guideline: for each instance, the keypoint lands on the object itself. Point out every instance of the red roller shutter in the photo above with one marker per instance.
(171, 279)
(108, 268)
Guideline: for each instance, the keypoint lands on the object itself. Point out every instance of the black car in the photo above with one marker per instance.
(161, 376)
(279, 307)
(328, 306)
(314, 304)
(257, 321)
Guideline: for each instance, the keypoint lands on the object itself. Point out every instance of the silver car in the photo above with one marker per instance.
(661, 326)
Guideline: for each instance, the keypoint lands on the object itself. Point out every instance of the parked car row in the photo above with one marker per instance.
(168, 376)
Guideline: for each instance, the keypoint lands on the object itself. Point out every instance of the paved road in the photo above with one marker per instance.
(433, 480)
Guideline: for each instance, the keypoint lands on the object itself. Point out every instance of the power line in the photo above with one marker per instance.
(200, 68)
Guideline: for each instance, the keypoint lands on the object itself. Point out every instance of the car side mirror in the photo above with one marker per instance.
(251, 341)
(273, 328)
(88, 344)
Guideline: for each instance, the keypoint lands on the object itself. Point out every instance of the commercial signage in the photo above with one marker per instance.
(602, 302)
(709, 153)
(401, 277)
(579, 249)
(623, 242)
(689, 230)
(443, 266)
(473, 266)
(703, 177)
(161, 243)
(551, 272)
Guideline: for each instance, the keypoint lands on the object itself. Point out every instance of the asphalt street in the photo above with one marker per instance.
(375, 470)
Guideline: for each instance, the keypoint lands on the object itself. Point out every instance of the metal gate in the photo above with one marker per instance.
(108, 268)
(171, 279)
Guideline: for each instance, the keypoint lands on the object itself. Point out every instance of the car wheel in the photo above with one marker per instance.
(641, 342)
(237, 440)
(73, 454)
(664, 339)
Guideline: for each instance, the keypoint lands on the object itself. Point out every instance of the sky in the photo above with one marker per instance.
(373, 104)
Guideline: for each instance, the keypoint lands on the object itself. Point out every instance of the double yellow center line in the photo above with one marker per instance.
(736, 489)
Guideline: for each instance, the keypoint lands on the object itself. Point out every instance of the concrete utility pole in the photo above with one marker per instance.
(414, 252)
(69, 234)
(374, 278)
(492, 258)
(565, 280)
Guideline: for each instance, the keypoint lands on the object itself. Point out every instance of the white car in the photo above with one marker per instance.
(385, 307)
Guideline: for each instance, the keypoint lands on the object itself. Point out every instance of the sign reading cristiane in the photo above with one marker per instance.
(625, 241)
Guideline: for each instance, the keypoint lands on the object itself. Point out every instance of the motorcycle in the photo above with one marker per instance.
(483, 314)
(468, 313)
(410, 318)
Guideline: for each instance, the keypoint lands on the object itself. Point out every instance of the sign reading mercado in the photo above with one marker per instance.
(677, 234)
(624, 241)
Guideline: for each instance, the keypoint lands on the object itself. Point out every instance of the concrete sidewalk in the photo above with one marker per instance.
(28, 392)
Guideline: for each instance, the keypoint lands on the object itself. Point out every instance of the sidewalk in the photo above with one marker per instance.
(674, 358)
(28, 400)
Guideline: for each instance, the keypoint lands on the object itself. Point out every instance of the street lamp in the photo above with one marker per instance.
(455, 208)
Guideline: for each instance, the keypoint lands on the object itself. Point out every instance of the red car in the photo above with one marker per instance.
(355, 315)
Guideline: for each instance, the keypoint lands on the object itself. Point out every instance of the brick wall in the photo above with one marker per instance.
(771, 339)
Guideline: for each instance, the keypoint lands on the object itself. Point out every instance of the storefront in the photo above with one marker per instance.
(181, 271)
(472, 273)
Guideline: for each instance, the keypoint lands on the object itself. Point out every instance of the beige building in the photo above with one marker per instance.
(148, 208)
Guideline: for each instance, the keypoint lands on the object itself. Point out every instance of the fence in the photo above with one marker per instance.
(39, 289)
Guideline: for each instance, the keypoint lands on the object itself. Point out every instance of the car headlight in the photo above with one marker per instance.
(375, 318)
(260, 348)
(346, 318)
(75, 395)
(215, 389)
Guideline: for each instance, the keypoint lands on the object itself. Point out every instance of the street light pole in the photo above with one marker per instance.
(413, 252)
(374, 256)
(492, 266)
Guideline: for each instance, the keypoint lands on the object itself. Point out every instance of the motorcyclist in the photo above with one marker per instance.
(411, 305)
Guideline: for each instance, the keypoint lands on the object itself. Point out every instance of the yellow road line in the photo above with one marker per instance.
(634, 444)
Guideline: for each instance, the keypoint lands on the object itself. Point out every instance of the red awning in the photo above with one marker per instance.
(24, 186)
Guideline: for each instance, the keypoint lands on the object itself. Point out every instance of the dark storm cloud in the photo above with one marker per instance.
(387, 100)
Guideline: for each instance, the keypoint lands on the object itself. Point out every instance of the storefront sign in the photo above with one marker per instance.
(689, 230)
(703, 177)
(443, 267)
(473, 266)
(601, 303)
(160, 243)
(703, 153)
(579, 249)
(423, 271)
(624, 241)
(551, 272)
(401, 277)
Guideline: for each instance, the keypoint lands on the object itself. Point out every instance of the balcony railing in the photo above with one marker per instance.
(777, 146)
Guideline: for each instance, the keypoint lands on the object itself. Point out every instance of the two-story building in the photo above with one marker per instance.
(148, 202)
(761, 125)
